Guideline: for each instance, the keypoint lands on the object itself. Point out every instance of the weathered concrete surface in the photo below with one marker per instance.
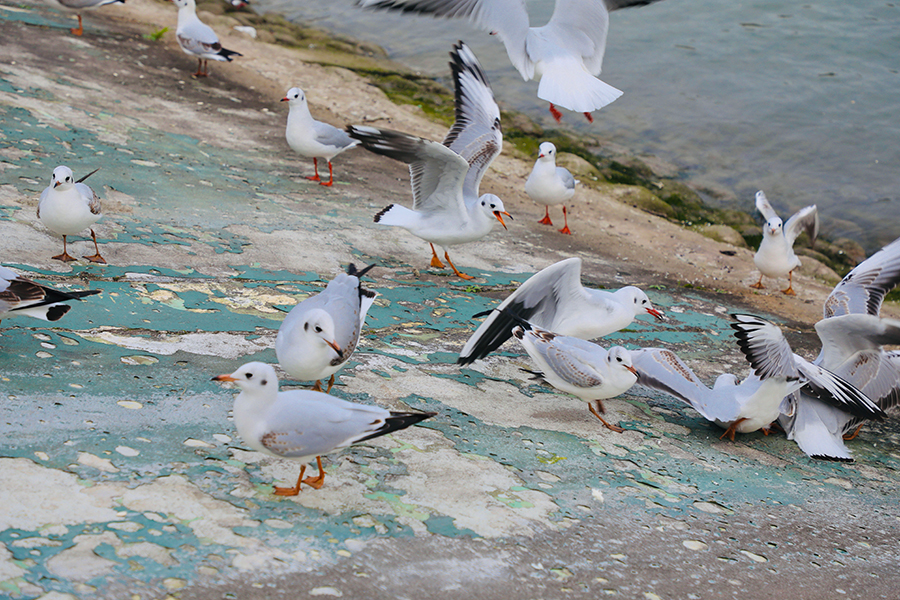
(121, 475)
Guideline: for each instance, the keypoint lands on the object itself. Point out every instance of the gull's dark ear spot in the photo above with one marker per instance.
(306, 326)
(264, 382)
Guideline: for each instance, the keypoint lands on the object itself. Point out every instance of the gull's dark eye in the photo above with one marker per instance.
(318, 329)
(249, 375)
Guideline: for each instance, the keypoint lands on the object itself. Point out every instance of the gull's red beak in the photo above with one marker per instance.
(57, 184)
(632, 369)
(223, 378)
(285, 99)
(499, 216)
(336, 348)
(541, 155)
(660, 316)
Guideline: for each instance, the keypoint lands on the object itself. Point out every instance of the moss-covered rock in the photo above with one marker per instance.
(721, 233)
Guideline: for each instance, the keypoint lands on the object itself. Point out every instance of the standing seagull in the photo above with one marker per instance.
(735, 406)
(554, 299)
(313, 139)
(447, 209)
(198, 39)
(320, 334)
(581, 368)
(549, 184)
(68, 207)
(566, 54)
(303, 424)
(77, 6)
(775, 257)
(22, 296)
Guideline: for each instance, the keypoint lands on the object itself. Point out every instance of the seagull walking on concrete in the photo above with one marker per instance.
(304, 424)
(578, 367)
(554, 299)
(22, 296)
(196, 38)
(313, 139)
(447, 209)
(550, 185)
(775, 257)
(320, 334)
(68, 207)
(566, 54)
(78, 6)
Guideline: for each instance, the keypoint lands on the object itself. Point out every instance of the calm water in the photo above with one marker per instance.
(800, 99)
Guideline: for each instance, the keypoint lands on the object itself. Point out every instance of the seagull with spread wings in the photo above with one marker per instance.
(775, 257)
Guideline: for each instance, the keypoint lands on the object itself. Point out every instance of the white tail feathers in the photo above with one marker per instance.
(569, 85)
(396, 215)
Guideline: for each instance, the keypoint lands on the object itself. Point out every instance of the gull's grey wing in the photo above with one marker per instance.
(764, 346)
(843, 337)
(864, 288)
(330, 135)
(23, 296)
(92, 198)
(198, 38)
(571, 359)
(304, 423)
(817, 428)
(763, 206)
(662, 370)
(81, 4)
(436, 172)
(806, 219)
(553, 290)
(476, 133)
(581, 28)
(508, 19)
(566, 177)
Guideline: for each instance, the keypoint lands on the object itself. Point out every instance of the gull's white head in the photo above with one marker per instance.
(726, 380)
(62, 178)
(318, 325)
(773, 226)
(295, 97)
(185, 4)
(547, 152)
(640, 302)
(620, 358)
(491, 204)
(254, 377)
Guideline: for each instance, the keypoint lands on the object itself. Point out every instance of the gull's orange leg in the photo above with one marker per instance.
(65, 256)
(732, 429)
(589, 117)
(319, 480)
(759, 284)
(317, 387)
(565, 229)
(459, 274)
(546, 220)
(291, 491)
(556, 114)
(330, 384)
(96, 258)
(854, 434)
(790, 288)
(609, 426)
(435, 261)
(316, 167)
(330, 177)
(80, 29)
(199, 72)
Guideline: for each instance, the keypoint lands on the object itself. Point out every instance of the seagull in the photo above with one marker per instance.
(554, 299)
(77, 6)
(566, 54)
(447, 209)
(853, 336)
(581, 368)
(319, 334)
(313, 139)
(734, 405)
(768, 352)
(68, 207)
(304, 424)
(549, 184)
(22, 296)
(198, 39)
(775, 257)
(236, 4)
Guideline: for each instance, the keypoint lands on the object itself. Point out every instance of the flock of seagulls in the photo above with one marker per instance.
(551, 315)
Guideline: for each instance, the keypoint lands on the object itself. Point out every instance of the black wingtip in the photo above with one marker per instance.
(351, 270)
(55, 313)
(92, 172)
(383, 212)
(831, 458)
(398, 421)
